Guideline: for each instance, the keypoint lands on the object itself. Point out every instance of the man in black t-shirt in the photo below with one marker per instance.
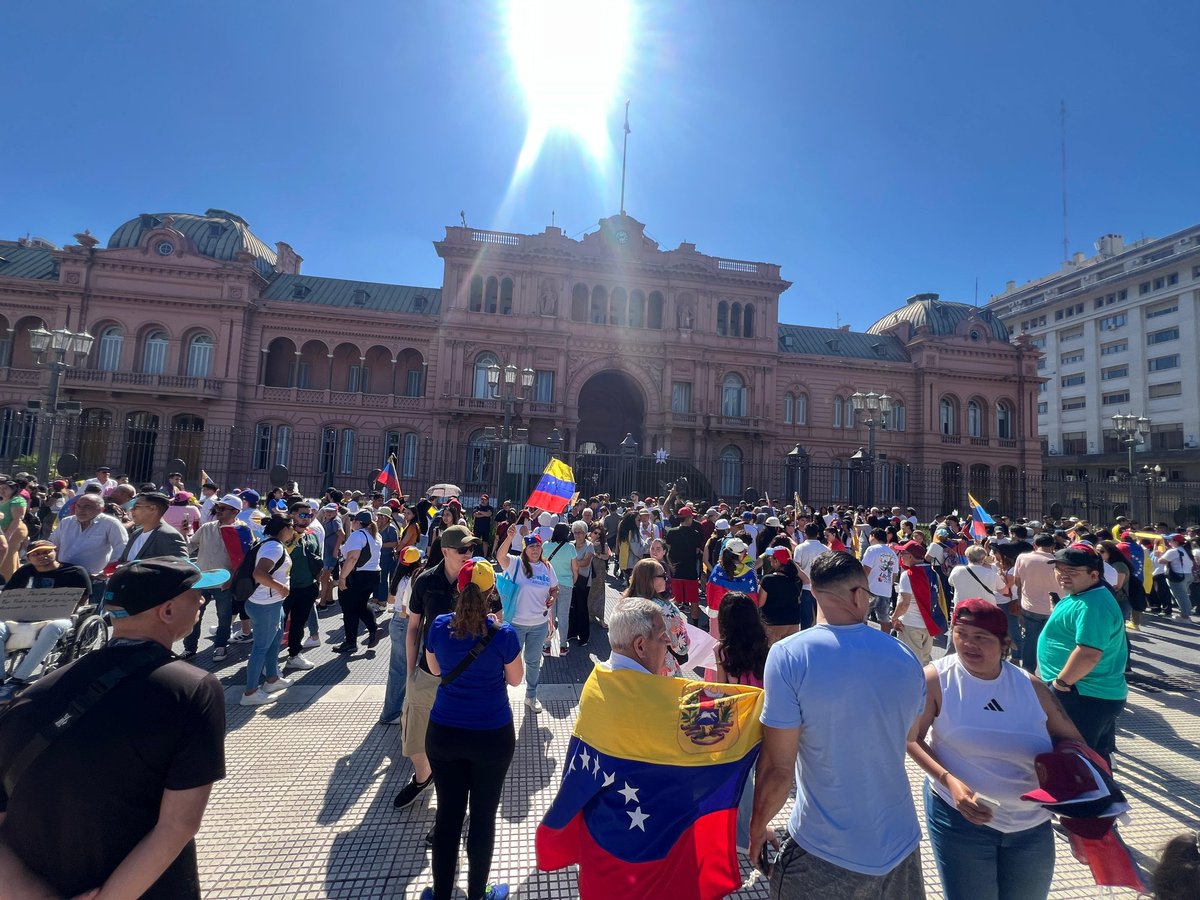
(432, 596)
(684, 544)
(153, 744)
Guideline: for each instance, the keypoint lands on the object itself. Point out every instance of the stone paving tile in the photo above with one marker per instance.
(306, 811)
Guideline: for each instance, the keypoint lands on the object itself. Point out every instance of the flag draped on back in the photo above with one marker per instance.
(927, 593)
(388, 477)
(647, 806)
(555, 488)
(979, 518)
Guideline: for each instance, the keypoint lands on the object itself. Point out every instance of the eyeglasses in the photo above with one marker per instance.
(464, 551)
(304, 515)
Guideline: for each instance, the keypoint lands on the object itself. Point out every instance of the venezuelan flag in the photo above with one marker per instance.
(647, 806)
(927, 593)
(979, 518)
(555, 488)
(1137, 562)
(387, 476)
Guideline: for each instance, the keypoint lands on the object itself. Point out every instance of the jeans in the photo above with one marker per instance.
(223, 598)
(469, 768)
(314, 624)
(562, 612)
(386, 568)
(397, 680)
(46, 638)
(808, 610)
(980, 863)
(532, 637)
(1183, 599)
(267, 621)
(1034, 623)
(1014, 634)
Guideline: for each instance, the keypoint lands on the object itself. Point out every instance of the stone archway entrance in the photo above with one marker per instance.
(611, 405)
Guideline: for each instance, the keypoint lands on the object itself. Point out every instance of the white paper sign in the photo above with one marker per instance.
(38, 604)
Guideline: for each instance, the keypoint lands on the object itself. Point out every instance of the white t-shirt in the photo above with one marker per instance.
(884, 564)
(272, 550)
(912, 617)
(532, 592)
(359, 540)
(806, 552)
(962, 579)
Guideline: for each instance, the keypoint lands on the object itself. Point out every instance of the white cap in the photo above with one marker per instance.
(233, 501)
(722, 525)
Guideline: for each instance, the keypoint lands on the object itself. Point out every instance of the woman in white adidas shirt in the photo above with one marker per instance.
(989, 719)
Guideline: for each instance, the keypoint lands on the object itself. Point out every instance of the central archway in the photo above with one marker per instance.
(611, 405)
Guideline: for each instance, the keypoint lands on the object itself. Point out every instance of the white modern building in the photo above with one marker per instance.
(1119, 333)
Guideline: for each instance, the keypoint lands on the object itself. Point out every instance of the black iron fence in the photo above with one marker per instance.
(318, 457)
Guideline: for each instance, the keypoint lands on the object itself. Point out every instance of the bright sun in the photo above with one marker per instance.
(569, 56)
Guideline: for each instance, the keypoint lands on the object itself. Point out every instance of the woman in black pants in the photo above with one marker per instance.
(470, 741)
(359, 575)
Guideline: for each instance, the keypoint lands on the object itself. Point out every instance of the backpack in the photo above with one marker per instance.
(243, 579)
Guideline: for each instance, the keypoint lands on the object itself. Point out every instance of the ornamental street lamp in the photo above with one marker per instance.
(58, 343)
(877, 408)
(503, 386)
(1131, 431)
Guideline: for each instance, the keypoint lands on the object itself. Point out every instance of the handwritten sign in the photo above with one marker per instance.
(38, 605)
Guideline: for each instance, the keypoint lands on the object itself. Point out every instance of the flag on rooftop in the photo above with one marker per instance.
(555, 488)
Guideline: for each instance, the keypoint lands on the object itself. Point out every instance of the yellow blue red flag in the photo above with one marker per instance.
(647, 807)
(555, 488)
(979, 519)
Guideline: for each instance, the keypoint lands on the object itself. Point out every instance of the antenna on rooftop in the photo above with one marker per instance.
(1063, 118)
(624, 157)
(977, 291)
(551, 218)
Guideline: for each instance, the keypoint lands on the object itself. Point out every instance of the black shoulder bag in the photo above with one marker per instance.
(472, 655)
(150, 655)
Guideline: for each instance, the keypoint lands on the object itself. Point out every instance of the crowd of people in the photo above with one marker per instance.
(812, 605)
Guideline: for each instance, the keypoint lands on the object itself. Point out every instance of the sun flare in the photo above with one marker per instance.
(569, 57)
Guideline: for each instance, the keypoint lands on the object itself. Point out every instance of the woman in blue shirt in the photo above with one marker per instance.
(470, 741)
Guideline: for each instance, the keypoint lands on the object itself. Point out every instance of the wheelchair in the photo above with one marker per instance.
(88, 631)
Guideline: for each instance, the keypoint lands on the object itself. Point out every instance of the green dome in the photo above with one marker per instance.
(217, 234)
(941, 317)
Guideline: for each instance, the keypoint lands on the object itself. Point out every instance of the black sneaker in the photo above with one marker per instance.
(411, 792)
(429, 839)
(345, 648)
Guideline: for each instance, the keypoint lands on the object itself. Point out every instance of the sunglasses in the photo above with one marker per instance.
(304, 515)
(463, 551)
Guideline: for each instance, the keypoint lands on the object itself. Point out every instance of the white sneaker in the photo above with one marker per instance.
(534, 704)
(311, 642)
(258, 698)
(212, 629)
(298, 662)
(272, 686)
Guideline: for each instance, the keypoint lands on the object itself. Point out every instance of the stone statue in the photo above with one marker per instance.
(684, 317)
(548, 300)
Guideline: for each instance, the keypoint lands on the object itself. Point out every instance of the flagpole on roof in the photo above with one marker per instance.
(624, 157)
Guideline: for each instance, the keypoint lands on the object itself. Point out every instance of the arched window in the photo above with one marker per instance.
(1004, 420)
(482, 390)
(347, 455)
(802, 409)
(95, 431)
(947, 418)
(735, 320)
(17, 433)
(283, 445)
(748, 321)
(506, 296)
(616, 307)
(974, 419)
(111, 345)
(837, 485)
(837, 411)
(654, 313)
(897, 420)
(637, 310)
(199, 356)
(980, 481)
(579, 303)
(952, 487)
(479, 472)
(722, 318)
(141, 440)
(849, 417)
(491, 294)
(408, 456)
(154, 353)
(733, 396)
(187, 440)
(329, 444)
(599, 306)
(262, 445)
(730, 479)
(477, 293)
(789, 408)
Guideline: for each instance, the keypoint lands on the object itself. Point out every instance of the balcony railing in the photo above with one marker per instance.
(951, 439)
(20, 376)
(683, 418)
(979, 442)
(182, 385)
(339, 398)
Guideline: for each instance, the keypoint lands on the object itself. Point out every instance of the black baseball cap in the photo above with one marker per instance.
(1081, 556)
(147, 583)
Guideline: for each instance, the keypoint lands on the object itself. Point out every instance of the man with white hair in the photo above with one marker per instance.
(638, 637)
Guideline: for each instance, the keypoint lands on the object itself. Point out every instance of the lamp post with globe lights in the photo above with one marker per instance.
(877, 407)
(57, 344)
(502, 382)
(1131, 431)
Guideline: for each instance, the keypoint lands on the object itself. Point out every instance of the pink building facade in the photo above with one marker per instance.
(214, 349)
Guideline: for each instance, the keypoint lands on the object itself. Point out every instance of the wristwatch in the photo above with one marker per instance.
(1059, 685)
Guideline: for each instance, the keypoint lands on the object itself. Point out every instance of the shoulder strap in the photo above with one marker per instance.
(971, 572)
(556, 549)
(148, 656)
(472, 655)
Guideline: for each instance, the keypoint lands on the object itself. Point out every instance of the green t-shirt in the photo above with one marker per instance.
(1092, 619)
(11, 509)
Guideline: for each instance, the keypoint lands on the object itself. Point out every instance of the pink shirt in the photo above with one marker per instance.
(1037, 582)
(175, 516)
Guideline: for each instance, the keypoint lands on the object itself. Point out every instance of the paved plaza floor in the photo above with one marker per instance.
(306, 809)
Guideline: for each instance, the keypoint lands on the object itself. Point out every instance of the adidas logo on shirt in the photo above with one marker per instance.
(993, 706)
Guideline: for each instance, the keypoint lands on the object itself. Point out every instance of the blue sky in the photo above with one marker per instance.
(874, 149)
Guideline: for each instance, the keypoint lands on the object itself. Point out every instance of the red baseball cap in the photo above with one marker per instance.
(686, 511)
(781, 554)
(982, 614)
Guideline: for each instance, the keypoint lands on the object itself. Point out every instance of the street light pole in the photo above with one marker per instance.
(511, 399)
(877, 407)
(58, 343)
(1131, 431)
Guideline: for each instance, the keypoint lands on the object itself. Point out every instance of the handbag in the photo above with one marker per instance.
(507, 589)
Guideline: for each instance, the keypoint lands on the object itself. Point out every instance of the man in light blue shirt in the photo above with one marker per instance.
(841, 702)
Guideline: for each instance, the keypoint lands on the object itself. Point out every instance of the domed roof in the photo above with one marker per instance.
(217, 234)
(941, 317)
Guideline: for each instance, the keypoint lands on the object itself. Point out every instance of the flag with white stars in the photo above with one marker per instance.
(651, 783)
